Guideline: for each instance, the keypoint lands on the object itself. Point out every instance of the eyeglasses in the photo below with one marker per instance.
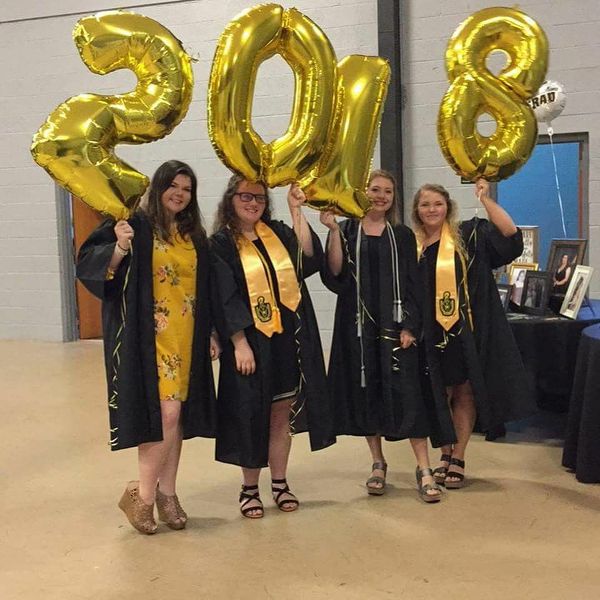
(248, 197)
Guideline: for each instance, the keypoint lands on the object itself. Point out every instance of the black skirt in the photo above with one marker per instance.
(285, 377)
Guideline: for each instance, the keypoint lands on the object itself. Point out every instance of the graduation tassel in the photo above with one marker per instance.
(359, 315)
(398, 312)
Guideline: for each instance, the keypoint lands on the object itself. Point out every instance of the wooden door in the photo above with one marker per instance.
(85, 220)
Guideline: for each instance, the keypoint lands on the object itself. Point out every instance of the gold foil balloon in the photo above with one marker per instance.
(251, 38)
(75, 144)
(341, 178)
(474, 91)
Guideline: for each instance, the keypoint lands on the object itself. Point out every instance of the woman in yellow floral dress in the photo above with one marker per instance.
(152, 273)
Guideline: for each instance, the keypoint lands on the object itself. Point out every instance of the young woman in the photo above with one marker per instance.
(272, 377)
(517, 291)
(471, 355)
(152, 275)
(371, 265)
(562, 276)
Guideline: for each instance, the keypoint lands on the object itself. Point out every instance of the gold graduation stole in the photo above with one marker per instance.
(265, 312)
(446, 293)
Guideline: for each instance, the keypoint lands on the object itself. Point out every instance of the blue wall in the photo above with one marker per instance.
(531, 198)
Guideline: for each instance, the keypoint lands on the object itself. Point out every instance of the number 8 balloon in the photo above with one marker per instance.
(475, 91)
(75, 144)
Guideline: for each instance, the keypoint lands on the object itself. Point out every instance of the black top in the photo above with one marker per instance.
(244, 403)
(391, 404)
(448, 344)
(373, 251)
(558, 275)
(494, 365)
(427, 269)
(287, 316)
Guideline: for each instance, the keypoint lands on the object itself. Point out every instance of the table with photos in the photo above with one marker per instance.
(548, 346)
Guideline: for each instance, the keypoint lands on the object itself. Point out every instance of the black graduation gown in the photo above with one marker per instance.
(492, 358)
(135, 415)
(244, 401)
(391, 404)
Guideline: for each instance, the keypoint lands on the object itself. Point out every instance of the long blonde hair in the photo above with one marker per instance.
(392, 213)
(451, 217)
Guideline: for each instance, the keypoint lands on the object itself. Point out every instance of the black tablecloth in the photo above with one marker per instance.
(582, 444)
(548, 346)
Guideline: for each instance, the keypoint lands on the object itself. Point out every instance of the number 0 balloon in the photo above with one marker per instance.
(250, 39)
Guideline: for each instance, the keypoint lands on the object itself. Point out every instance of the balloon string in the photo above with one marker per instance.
(560, 202)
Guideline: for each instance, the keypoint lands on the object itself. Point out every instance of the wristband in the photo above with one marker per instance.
(121, 251)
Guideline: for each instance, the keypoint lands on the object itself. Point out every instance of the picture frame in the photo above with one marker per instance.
(505, 290)
(536, 292)
(565, 255)
(516, 278)
(576, 292)
(531, 244)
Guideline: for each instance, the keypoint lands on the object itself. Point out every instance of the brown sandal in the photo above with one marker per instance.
(377, 491)
(170, 511)
(139, 514)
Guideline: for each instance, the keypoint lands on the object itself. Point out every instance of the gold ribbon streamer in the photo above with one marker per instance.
(265, 312)
(113, 403)
(446, 293)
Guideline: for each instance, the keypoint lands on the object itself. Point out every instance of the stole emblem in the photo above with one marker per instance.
(263, 310)
(447, 305)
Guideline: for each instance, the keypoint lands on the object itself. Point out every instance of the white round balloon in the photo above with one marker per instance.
(549, 101)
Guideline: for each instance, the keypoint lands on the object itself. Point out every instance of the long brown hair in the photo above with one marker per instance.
(225, 217)
(392, 214)
(451, 216)
(188, 221)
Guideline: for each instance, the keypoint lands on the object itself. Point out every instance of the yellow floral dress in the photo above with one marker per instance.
(174, 286)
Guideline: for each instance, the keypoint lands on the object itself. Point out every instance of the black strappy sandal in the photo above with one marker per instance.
(289, 504)
(246, 498)
(440, 473)
(460, 478)
(377, 491)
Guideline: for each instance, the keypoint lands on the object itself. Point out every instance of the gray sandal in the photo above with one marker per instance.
(377, 491)
(424, 489)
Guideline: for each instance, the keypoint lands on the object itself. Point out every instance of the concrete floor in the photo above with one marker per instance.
(523, 528)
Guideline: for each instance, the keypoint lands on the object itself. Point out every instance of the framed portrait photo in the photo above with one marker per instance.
(531, 236)
(504, 290)
(516, 278)
(576, 292)
(564, 257)
(536, 292)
